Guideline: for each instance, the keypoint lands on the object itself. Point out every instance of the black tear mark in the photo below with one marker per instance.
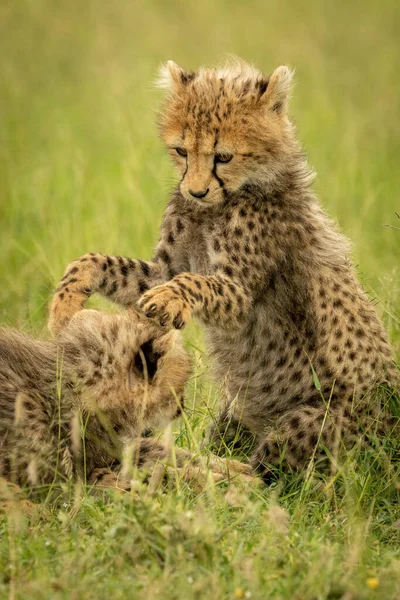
(217, 177)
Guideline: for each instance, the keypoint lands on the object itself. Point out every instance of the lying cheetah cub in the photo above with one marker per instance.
(109, 375)
(247, 249)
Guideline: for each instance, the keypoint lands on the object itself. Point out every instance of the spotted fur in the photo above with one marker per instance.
(109, 376)
(246, 248)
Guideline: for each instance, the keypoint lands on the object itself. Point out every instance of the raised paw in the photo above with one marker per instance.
(74, 289)
(63, 308)
(165, 305)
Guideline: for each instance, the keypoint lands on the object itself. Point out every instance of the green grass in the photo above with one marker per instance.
(81, 169)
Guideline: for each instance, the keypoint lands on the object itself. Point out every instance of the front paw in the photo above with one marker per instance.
(165, 305)
(64, 306)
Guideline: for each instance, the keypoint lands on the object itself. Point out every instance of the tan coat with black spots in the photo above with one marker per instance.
(68, 406)
(247, 249)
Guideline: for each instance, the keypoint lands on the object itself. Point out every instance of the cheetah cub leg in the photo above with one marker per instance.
(149, 452)
(214, 298)
(160, 460)
(122, 280)
(300, 435)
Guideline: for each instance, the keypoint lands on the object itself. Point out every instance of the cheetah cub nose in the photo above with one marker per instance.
(199, 194)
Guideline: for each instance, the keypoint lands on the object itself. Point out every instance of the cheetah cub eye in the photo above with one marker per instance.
(144, 364)
(223, 157)
(181, 151)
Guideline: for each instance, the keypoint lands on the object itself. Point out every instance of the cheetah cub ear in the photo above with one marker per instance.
(171, 76)
(277, 93)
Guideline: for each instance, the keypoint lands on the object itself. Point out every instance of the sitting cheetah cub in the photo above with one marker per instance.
(247, 249)
(109, 375)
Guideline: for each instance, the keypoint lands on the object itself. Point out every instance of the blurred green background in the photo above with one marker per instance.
(82, 168)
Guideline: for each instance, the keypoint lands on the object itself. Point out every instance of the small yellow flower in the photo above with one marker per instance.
(372, 582)
(239, 593)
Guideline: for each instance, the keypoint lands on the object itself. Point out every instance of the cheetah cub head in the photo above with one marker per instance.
(226, 127)
(131, 370)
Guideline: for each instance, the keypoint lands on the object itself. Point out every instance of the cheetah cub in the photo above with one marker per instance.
(107, 375)
(247, 249)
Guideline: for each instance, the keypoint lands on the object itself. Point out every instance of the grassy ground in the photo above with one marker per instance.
(81, 169)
